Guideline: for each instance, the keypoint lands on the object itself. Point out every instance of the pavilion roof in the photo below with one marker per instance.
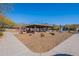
(37, 25)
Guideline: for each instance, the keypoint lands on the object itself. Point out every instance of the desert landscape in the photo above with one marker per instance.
(39, 29)
(39, 44)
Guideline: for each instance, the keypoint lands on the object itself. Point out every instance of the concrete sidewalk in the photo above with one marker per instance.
(11, 46)
(69, 46)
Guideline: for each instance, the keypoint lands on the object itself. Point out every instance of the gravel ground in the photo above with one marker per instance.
(39, 44)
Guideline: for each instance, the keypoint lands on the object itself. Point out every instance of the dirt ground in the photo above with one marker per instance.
(39, 44)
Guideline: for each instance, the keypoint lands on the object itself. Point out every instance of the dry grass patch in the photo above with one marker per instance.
(36, 43)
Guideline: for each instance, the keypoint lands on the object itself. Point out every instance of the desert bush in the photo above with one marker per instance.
(52, 33)
(30, 34)
(1, 34)
(2, 29)
(42, 34)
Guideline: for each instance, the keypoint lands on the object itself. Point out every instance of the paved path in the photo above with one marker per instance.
(69, 46)
(11, 46)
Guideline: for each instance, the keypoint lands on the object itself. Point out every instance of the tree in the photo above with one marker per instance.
(6, 22)
(55, 27)
(5, 7)
(70, 27)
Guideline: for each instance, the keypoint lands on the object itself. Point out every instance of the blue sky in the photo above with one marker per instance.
(51, 13)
